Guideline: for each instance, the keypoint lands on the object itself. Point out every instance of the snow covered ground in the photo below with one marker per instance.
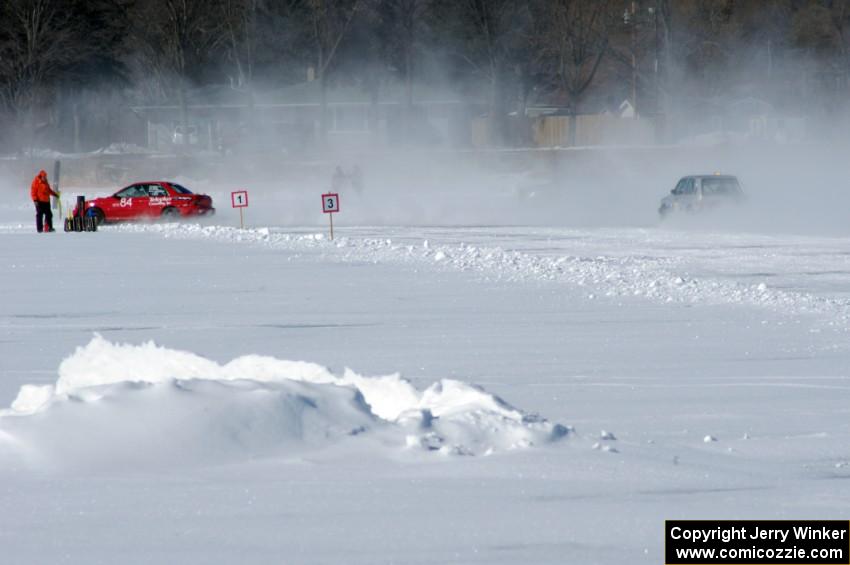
(562, 391)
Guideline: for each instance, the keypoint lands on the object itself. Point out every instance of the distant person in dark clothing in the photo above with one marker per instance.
(41, 192)
(356, 179)
(338, 179)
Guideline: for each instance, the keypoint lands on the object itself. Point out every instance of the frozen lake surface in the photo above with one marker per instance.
(698, 374)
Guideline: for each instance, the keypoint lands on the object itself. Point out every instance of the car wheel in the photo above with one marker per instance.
(96, 214)
(170, 214)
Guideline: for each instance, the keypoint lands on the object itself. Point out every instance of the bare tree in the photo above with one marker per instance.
(487, 36)
(330, 21)
(399, 25)
(840, 17)
(39, 40)
(573, 38)
(178, 40)
(709, 41)
(259, 31)
(824, 30)
(239, 18)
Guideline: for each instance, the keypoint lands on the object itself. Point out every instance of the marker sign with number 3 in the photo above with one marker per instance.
(330, 203)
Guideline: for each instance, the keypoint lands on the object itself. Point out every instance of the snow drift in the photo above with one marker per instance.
(651, 265)
(145, 404)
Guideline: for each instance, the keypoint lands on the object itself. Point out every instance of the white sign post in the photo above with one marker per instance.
(330, 206)
(239, 199)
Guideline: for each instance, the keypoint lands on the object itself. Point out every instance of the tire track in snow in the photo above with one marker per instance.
(659, 279)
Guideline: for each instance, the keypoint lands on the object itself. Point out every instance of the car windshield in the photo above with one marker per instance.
(685, 186)
(180, 189)
(724, 186)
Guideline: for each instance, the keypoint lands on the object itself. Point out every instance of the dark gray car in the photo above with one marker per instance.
(697, 193)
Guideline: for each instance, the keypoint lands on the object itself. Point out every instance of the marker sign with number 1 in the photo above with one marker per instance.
(239, 199)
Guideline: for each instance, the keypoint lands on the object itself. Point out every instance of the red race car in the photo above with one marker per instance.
(149, 200)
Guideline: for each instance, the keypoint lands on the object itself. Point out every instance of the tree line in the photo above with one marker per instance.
(67, 61)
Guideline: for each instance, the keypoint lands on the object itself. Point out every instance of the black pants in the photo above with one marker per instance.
(43, 217)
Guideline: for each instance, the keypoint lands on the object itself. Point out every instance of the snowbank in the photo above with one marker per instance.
(145, 404)
(657, 278)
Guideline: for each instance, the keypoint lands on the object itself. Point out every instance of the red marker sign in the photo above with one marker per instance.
(239, 199)
(330, 203)
(330, 206)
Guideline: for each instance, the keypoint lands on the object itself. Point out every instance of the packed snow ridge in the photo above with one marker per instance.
(650, 277)
(142, 404)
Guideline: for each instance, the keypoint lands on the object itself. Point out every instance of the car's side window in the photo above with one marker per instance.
(679, 186)
(156, 190)
(689, 187)
(720, 186)
(131, 191)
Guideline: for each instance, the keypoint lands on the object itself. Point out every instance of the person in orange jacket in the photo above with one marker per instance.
(41, 193)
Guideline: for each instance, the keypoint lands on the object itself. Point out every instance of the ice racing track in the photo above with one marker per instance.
(700, 375)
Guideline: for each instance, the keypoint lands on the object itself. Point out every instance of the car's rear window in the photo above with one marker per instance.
(722, 186)
(180, 189)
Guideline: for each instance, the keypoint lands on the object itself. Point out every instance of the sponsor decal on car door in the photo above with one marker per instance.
(158, 199)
